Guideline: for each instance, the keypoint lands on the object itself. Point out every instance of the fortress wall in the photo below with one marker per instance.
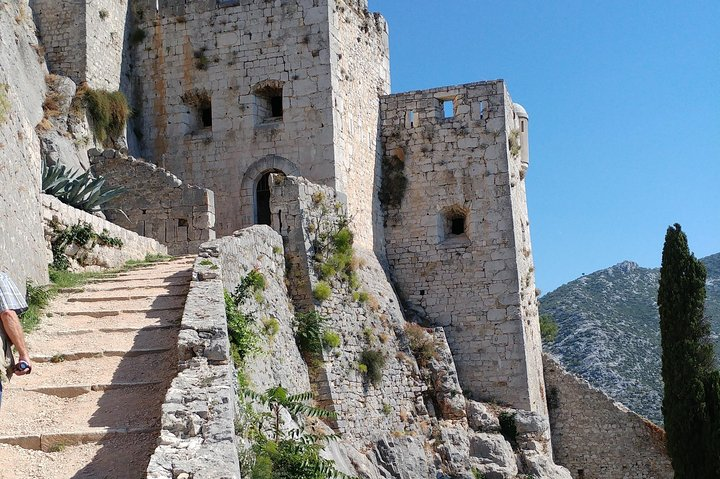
(157, 203)
(61, 24)
(105, 40)
(365, 411)
(595, 437)
(228, 52)
(518, 152)
(361, 71)
(458, 168)
(22, 91)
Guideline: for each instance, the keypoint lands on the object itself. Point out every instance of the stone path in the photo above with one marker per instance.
(103, 361)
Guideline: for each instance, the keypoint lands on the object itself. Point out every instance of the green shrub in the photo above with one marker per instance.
(38, 298)
(254, 282)
(309, 332)
(322, 291)
(421, 343)
(374, 362)
(548, 328)
(508, 428)
(331, 339)
(362, 296)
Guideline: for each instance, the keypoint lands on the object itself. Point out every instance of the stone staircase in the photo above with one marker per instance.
(103, 360)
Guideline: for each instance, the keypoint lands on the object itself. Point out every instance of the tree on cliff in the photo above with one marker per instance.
(691, 405)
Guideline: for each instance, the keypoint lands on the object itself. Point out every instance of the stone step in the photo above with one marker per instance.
(92, 453)
(136, 407)
(71, 391)
(99, 370)
(105, 296)
(51, 344)
(76, 355)
(165, 317)
(120, 305)
(131, 288)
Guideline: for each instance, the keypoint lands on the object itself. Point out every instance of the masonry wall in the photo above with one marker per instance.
(61, 24)
(233, 54)
(84, 40)
(365, 411)
(361, 72)
(22, 91)
(156, 203)
(468, 283)
(595, 437)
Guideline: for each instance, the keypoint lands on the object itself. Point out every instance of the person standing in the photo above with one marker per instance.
(12, 303)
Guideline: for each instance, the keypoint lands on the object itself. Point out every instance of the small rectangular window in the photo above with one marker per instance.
(410, 119)
(481, 109)
(276, 106)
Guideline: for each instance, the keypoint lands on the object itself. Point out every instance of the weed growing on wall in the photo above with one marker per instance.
(508, 428)
(374, 363)
(4, 102)
(108, 112)
(312, 336)
(243, 340)
(421, 343)
(394, 182)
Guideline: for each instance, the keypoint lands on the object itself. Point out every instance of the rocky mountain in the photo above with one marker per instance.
(609, 330)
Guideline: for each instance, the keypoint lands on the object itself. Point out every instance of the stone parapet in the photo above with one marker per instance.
(198, 417)
(135, 247)
(156, 203)
(596, 437)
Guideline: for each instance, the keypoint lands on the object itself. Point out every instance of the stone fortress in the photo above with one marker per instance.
(231, 96)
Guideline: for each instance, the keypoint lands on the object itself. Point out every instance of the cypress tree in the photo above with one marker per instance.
(687, 361)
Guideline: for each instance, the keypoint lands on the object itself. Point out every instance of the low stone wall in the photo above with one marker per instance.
(158, 204)
(198, 422)
(135, 247)
(598, 438)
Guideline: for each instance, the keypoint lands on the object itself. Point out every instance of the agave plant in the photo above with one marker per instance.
(80, 191)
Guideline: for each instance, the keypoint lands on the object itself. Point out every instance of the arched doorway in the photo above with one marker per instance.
(262, 198)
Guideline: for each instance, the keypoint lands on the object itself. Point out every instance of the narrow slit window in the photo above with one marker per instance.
(411, 119)
(206, 116)
(482, 108)
(448, 108)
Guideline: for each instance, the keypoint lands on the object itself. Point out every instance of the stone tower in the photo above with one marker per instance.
(84, 40)
(458, 239)
(232, 90)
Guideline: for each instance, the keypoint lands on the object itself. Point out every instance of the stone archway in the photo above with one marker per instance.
(253, 179)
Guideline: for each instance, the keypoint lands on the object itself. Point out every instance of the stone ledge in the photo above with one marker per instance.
(198, 416)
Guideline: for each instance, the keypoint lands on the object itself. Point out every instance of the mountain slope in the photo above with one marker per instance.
(609, 330)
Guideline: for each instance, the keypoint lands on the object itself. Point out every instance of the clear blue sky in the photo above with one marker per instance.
(624, 107)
